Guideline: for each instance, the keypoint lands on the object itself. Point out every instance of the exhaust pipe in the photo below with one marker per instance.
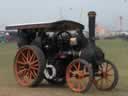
(91, 18)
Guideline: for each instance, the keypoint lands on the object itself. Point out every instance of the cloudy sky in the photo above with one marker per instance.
(35, 11)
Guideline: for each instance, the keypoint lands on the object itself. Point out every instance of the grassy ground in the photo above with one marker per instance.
(116, 51)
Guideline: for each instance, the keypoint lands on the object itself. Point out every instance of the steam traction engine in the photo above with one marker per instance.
(60, 53)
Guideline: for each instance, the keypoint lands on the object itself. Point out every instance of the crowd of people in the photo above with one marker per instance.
(8, 37)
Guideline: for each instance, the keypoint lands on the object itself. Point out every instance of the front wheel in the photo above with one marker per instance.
(107, 76)
(79, 75)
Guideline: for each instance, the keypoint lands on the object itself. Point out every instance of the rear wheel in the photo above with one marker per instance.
(29, 65)
(79, 75)
(107, 76)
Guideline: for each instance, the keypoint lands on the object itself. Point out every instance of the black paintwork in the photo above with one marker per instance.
(55, 47)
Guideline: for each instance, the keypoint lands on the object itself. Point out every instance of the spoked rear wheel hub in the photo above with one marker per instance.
(26, 66)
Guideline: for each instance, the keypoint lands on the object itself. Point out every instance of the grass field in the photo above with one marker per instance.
(116, 51)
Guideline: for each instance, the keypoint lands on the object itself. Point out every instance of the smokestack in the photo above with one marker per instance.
(121, 23)
(91, 18)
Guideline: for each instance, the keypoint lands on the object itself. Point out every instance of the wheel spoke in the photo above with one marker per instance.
(108, 79)
(100, 68)
(30, 75)
(24, 73)
(34, 68)
(35, 65)
(70, 71)
(74, 65)
(23, 59)
(78, 68)
(79, 86)
(109, 69)
(33, 75)
(32, 57)
(86, 75)
(85, 71)
(21, 71)
(26, 77)
(23, 56)
(83, 85)
(28, 55)
(96, 81)
(21, 67)
(33, 62)
(21, 63)
(101, 83)
(106, 67)
(107, 83)
(108, 74)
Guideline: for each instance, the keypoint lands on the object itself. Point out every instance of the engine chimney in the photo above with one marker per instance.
(91, 18)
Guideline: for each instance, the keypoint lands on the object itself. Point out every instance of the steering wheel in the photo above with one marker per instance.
(63, 36)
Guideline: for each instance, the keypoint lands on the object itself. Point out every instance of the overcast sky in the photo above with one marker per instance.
(35, 11)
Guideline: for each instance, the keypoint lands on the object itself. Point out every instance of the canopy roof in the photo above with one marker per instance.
(62, 25)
